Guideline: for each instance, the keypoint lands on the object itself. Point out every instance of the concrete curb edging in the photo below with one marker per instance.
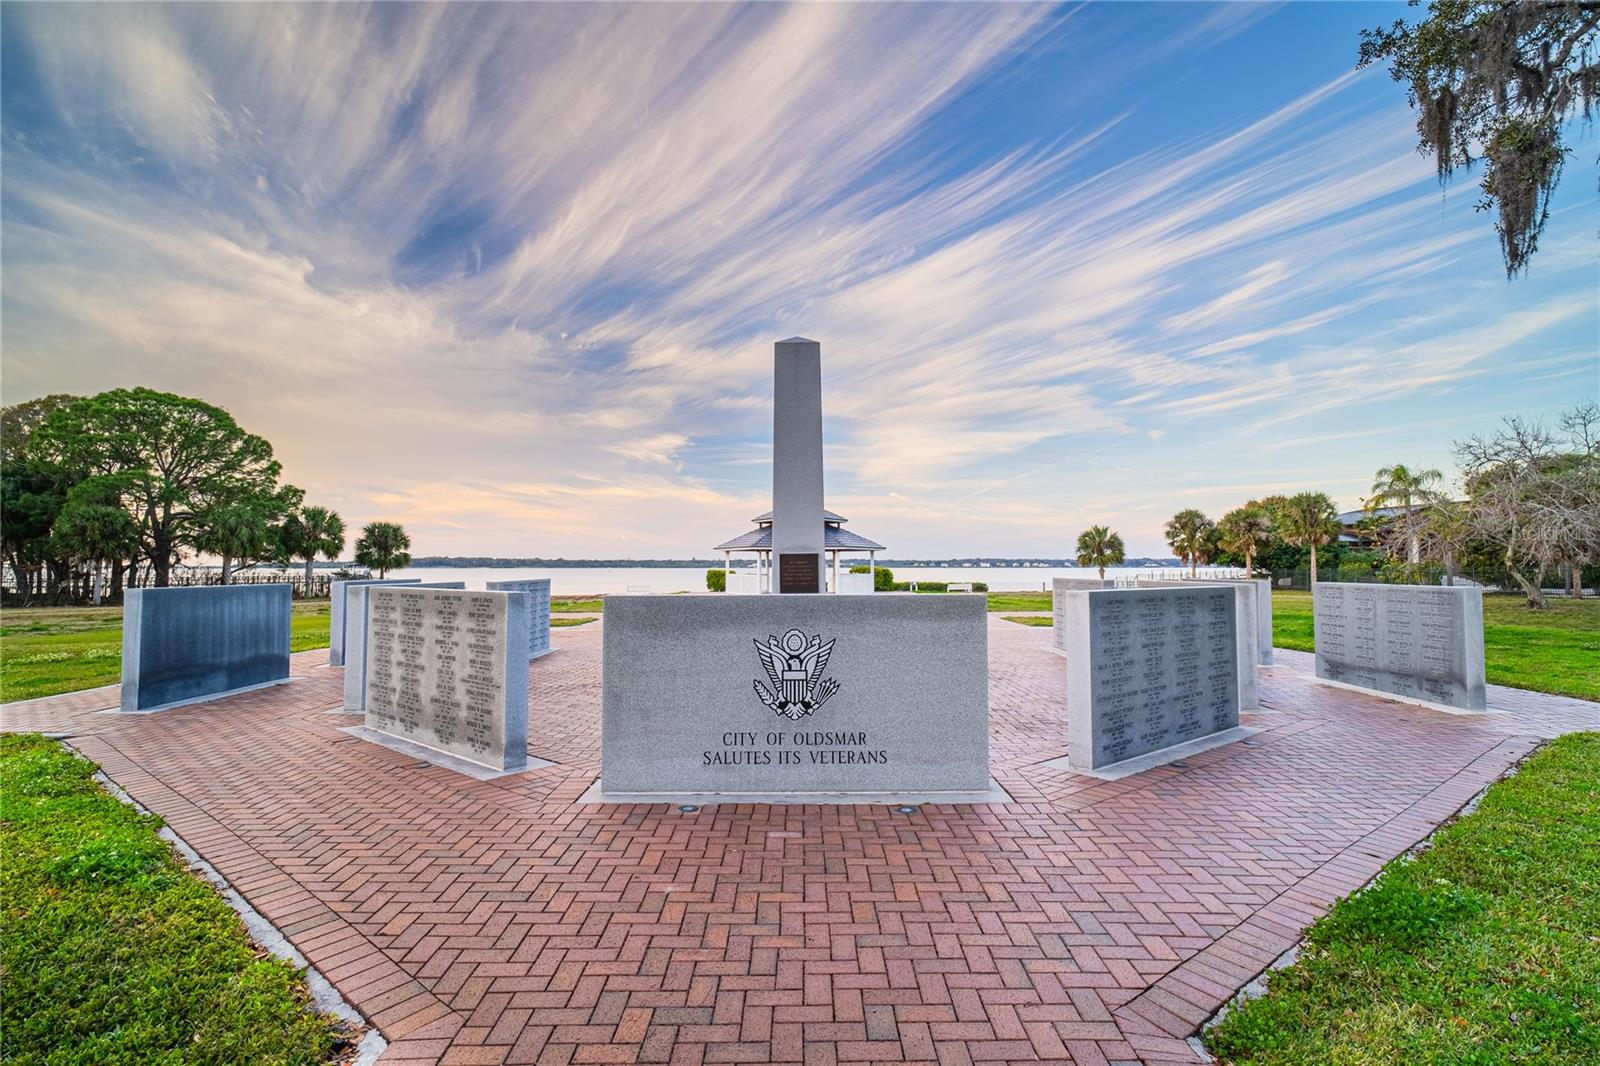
(324, 996)
(1258, 985)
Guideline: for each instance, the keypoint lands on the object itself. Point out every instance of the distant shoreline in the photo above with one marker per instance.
(486, 563)
(978, 562)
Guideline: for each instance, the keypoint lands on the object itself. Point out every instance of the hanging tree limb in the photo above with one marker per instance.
(1495, 81)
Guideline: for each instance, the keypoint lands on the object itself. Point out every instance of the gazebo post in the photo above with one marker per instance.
(835, 573)
(872, 570)
(727, 569)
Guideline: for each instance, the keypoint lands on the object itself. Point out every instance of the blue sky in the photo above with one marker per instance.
(511, 274)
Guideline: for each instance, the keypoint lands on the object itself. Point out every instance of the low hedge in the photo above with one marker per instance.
(882, 577)
(931, 586)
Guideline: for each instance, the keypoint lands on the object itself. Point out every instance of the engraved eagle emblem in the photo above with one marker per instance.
(795, 664)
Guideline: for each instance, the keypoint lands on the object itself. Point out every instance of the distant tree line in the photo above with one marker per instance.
(120, 485)
(1529, 508)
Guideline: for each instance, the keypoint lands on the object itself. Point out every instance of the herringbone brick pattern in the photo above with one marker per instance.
(1087, 922)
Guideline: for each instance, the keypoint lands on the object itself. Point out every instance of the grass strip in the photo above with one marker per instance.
(577, 605)
(49, 650)
(113, 952)
(1484, 948)
(1019, 601)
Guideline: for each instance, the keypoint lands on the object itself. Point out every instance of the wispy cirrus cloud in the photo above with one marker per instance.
(511, 273)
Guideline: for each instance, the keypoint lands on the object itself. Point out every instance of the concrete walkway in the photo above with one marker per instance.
(489, 922)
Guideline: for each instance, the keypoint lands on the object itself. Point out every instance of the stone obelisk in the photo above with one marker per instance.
(797, 549)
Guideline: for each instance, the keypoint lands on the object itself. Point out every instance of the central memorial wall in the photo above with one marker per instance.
(1419, 642)
(780, 696)
(804, 695)
(1148, 669)
(448, 669)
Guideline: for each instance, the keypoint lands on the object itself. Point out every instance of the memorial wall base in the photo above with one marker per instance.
(1163, 757)
(443, 759)
(192, 700)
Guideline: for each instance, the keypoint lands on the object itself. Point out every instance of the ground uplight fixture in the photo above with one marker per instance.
(687, 808)
(905, 808)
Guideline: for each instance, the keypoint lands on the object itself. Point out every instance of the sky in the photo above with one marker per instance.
(511, 274)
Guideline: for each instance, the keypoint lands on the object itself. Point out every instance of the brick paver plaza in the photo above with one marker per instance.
(488, 922)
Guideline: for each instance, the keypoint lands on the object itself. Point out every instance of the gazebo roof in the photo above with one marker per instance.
(827, 516)
(833, 539)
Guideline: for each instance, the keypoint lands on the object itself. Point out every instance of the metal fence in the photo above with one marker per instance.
(202, 578)
(1493, 579)
(76, 588)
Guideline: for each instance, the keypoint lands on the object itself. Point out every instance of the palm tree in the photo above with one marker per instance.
(95, 527)
(238, 532)
(1410, 490)
(383, 546)
(1098, 546)
(1187, 534)
(1244, 531)
(312, 532)
(1308, 520)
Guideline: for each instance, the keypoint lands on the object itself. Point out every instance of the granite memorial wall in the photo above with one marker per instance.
(339, 613)
(1418, 642)
(1058, 628)
(538, 599)
(447, 669)
(182, 645)
(784, 696)
(1263, 614)
(1148, 669)
(357, 626)
(1246, 602)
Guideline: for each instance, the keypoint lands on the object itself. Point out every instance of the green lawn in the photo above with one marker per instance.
(557, 623)
(1554, 650)
(1028, 619)
(46, 650)
(1483, 949)
(112, 951)
(576, 605)
(1019, 601)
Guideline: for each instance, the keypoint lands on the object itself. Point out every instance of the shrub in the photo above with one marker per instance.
(1399, 573)
(1357, 571)
(717, 580)
(882, 577)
